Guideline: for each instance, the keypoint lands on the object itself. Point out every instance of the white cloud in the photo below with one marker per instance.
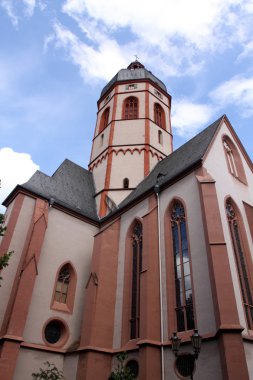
(30, 5)
(8, 7)
(238, 91)
(15, 168)
(99, 63)
(188, 118)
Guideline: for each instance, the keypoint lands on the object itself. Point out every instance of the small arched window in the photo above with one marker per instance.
(64, 293)
(104, 119)
(160, 137)
(136, 270)
(130, 110)
(125, 183)
(234, 161)
(182, 269)
(241, 262)
(159, 116)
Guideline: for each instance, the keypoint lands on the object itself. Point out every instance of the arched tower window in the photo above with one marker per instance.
(182, 270)
(125, 183)
(234, 161)
(104, 119)
(136, 270)
(130, 110)
(159, 116)
(241, 262)
(64, 291)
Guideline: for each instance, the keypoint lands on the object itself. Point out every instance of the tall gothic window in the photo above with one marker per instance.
(62, 284)
(241, 263)
(183, 283)
(130, 108)
(104, 119)
(136, 270)
(159, 115)
(234, 161)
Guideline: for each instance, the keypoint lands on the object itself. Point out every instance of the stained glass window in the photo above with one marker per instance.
(183, 283)
(241, 263)
(136, 270)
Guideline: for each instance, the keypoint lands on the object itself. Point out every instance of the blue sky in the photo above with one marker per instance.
(56, 56)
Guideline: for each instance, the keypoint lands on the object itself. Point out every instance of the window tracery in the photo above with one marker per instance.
(183, 284)
(159, 117)
(241, 263)
(131, 108)
(136, 270)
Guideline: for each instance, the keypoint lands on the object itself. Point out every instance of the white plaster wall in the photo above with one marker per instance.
(99, 173)
(140, 87)
(70, 366)
(126, 220)
(226, 184)
(98, 145)
(127, 166)
(208, 366)
(248, 347)
(30, 361)
(165, 147)
(187, 190)
(105, 102)
(67, 238)
(17, 245)
(129, 132)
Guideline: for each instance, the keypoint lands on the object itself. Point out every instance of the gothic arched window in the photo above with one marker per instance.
(182, 270)
(62, 284)
(64, 291)
(234, 161)
(159, 116)
(241, 262)
(130, 110)
(104, 119)
(136, 270)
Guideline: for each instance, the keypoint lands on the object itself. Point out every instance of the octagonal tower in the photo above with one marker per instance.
(133, 133)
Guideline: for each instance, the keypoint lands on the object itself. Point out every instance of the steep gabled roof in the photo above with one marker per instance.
(177, 163)
(70, 186)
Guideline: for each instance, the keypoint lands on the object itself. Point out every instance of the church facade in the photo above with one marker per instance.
(148, 241)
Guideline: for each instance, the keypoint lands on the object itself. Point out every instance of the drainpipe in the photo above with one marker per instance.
(157, 190)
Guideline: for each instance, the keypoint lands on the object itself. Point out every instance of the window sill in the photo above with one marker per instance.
(59, 306)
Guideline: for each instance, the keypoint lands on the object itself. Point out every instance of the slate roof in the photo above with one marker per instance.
(128, 74)
(70, 186)
(176, 163)
(73, 187)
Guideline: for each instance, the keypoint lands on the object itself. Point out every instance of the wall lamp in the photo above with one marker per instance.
(185, 362)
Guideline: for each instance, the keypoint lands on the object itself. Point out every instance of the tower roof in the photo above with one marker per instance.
(135, 71)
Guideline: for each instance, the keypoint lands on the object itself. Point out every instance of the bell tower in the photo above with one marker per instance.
(133, 133)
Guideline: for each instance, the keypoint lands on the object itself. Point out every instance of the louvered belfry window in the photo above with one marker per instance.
(182, 270)
(136, 270)
(62, 285)
(241, 263)
(131, 108)
(159, 115)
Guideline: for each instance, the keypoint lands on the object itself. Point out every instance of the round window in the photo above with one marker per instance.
(133, 367)
(185, 365)
(54, 331)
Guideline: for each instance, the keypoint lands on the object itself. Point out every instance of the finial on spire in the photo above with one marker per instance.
(136, 57)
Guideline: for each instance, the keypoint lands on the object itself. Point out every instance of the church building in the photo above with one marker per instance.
(147, 242)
